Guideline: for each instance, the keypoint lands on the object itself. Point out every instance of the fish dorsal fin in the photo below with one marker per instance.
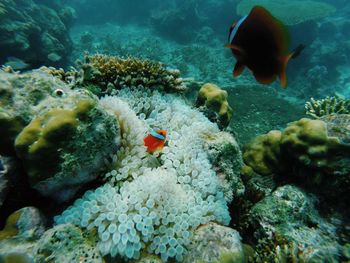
(239, 67)
(283, 75)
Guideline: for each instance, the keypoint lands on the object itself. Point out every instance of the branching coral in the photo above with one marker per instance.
(114, 72)
(302, 10)
(327, 106)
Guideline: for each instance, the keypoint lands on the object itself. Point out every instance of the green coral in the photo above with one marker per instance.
(327, 106)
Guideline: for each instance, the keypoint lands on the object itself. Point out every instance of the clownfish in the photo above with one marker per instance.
(155, 141)
(260, 42)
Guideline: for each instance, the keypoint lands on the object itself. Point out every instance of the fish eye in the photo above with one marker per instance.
(59, 92)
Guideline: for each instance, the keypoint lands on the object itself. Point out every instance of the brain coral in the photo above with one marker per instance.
(290, 12)
(153, 203)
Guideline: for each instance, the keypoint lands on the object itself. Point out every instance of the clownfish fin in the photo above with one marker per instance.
(239, 67)
(296, 52)
(283, 74)
(234, 47)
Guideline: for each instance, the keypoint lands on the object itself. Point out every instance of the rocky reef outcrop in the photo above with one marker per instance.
(35, 33)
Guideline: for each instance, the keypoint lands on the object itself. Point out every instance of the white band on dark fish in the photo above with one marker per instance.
(157, 135)
(234, 31)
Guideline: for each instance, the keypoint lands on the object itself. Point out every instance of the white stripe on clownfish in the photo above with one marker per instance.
(234, 31)
(157, 135)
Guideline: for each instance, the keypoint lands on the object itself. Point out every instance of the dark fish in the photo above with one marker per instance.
(16, 63)
(260, 42)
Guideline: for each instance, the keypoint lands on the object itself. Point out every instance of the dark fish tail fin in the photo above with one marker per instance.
(283, 74)
(239, 67)
(296, 52)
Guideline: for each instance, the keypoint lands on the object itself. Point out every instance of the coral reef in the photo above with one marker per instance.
(161, 198)
(302, 10)
(326, 106)
(110, 73)
(226, 158)
(67, 243)
(20, 96)
(287, 220)
(258, 110)
(213, 102)
(27, 241)
(263, 153)
(178, 22)
(26, 223)
(60, 133)
(317, 151)
(215, 243)
(34, 33)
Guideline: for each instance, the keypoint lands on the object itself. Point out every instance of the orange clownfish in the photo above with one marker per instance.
(155, 140)
(260, 42)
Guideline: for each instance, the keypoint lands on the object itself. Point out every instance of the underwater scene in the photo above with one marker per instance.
(195, 131)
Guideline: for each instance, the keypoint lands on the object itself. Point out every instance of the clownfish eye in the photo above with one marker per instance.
(59, 92)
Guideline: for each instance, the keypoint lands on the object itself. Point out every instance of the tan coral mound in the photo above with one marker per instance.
(133, 72)
(290, 12)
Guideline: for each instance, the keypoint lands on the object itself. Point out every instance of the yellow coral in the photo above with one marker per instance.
(44, 134)
(290, 12)
(308, 141)
(263, 153)
(215, 99)
(10, 228)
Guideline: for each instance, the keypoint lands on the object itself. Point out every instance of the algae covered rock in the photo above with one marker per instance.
(18, 238)
(20, 95)
(35, 33)
(67, 243)
(25, 223)
(65, 148)
(63, 135)
(288, 226)
(215, 243)
(213, 102)
(226, 158)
